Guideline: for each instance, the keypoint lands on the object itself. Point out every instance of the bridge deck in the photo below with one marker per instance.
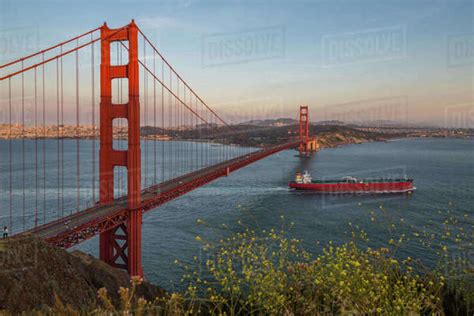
(70, 230)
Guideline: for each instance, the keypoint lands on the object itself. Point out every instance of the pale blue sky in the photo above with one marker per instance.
(302, 68)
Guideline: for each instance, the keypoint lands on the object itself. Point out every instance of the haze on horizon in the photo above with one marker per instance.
(403, 61)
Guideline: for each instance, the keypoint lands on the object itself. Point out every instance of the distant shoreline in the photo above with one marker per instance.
(327, 136)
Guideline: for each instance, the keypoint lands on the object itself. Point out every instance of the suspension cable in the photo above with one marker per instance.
(44, 61)
(48, 49)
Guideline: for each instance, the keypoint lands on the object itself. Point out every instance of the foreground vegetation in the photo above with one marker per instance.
(269, 273)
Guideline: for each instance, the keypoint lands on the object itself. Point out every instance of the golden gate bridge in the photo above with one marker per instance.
(52, 93)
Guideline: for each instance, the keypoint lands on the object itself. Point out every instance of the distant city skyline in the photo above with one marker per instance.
(406, 61)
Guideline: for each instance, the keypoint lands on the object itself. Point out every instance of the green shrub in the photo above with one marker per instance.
(272, 274)
(268, 273)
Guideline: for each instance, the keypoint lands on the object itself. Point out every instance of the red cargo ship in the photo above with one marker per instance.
(351, 185)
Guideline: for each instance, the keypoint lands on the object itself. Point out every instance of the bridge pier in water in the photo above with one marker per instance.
(121, 245)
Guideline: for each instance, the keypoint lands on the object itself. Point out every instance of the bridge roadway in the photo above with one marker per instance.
(73, 229)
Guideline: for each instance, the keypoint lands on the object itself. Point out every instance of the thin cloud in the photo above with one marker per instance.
(160, 22)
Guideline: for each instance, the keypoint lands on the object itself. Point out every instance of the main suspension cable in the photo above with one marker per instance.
(48, 49)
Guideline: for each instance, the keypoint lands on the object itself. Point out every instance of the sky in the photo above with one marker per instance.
(406, 61)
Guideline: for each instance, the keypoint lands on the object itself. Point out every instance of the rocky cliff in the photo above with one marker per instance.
(33, 274)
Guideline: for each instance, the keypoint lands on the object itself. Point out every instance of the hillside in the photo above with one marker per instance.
(246, 135)
(33, 272)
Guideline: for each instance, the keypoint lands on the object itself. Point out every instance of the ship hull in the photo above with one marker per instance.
(359, 187)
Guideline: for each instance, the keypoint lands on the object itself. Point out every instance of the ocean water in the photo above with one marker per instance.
(443, 171)
(257, 196)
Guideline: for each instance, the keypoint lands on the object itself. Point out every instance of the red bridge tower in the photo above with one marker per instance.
(121, 246)
(307, 144)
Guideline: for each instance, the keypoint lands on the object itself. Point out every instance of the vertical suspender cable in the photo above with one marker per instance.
(207, 137)
(170, 119)
(183, 110)
(203, 135)
(93, 117)
(23, 143)
(44, 143)
(224, 147)
(183, 143)
(191, 135)
(214, 155)
(178, 129)
(222, 137)
(180, 118)
(196, 148)
(188, 161)
(145, 114)
(216, 135)
(162, 121)
(189, 123)
(183, 124)
(176, 124)
(201, 127)
(36, 149)
(78, 168)
(10, 149)
(58, 150)
(175, 144)
(201, 130)
(154, 121)
(226, 137)
(62, 140)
